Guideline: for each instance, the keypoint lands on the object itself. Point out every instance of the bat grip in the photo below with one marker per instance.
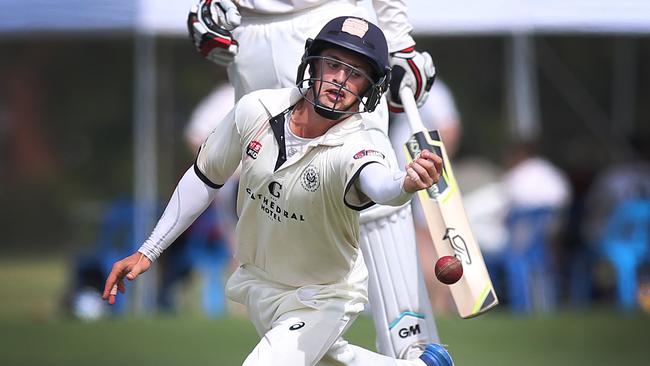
(415, 122)
(411, 109)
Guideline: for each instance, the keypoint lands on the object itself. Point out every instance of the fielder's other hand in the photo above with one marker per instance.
(423, 172)
(413, 70)
(209, 24)
(129, 267)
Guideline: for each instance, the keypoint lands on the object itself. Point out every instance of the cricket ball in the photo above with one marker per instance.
(448, 270)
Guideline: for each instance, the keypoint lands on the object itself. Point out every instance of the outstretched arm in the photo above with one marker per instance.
(191, 197)
(218, 158)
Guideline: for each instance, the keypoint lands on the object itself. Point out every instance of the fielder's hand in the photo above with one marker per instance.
(411, 69)
(209, 24)
(129, 267)
(423, 172)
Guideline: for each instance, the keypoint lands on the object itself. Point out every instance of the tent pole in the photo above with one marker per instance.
(521, 74)
(145, 161)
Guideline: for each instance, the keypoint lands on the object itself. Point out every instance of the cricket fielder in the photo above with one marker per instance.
(261, 43)
(302, 275)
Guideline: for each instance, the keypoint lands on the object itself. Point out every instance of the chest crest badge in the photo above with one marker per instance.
(310, 178)
(253, 149)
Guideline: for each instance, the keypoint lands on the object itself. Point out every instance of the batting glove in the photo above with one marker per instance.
(413, 70)
(209, 24)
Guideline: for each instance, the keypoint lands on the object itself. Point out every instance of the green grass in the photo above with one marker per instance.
(32, 333)
(31, 288)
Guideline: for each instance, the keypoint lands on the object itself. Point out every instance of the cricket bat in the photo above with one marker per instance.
(443, 208)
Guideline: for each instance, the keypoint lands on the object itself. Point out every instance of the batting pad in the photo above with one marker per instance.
(398, 296)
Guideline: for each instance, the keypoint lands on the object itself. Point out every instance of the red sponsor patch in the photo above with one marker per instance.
(253, 149)
(363, 153)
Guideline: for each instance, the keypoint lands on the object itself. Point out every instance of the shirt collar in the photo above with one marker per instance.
(337, 133)
(334, 136)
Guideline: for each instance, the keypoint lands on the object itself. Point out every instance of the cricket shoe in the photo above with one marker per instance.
(436, 355)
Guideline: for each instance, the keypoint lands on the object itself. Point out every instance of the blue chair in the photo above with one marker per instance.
(530, 276)
(202, 248)
(208, 252)
(626, 245)
(114, 242)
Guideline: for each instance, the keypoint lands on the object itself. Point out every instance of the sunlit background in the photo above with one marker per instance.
(553, 156)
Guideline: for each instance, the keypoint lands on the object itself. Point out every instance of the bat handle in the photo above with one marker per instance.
(415, 122)
(411, 109)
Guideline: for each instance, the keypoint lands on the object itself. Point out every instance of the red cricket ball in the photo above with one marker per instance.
(448, 270)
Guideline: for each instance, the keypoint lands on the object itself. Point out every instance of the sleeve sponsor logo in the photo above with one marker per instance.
(363, 153)
(253, 149)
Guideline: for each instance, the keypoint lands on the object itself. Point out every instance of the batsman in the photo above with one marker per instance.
(261, 44)
(301, 276)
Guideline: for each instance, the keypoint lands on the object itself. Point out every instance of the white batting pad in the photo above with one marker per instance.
(398, 296)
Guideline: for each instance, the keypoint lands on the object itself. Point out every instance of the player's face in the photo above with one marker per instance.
(344, 78)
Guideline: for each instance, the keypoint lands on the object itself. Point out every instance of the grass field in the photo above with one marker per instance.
(33, 334)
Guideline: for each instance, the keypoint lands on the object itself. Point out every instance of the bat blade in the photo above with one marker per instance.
(450, 231)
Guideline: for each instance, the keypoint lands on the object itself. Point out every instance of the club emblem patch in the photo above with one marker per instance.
(310, 179)
(253, 149)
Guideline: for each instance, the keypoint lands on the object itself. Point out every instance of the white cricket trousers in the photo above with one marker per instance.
(304, 326)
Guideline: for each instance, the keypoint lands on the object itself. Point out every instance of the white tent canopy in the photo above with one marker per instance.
(540, 16)
(427, 16)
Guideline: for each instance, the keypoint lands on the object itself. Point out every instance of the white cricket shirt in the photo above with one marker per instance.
(298, 218)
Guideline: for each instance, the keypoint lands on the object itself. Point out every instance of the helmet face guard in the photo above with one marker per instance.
(310, 78)
(354, 35)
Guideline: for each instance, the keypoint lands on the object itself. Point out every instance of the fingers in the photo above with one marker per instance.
(121, 287)
(412, 181)
(437, 163)
(412, 174)
(110, 282)
(113, 284)
(139, 267)
(130, 267)
(423, 174)
(429, 69)
(432, 163)
(135, 272)
(112, 296)
(425, 169)
(233, 18)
